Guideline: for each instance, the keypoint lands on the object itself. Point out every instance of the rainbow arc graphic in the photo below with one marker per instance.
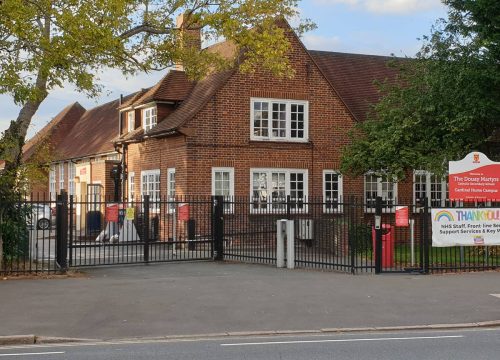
(444, 214)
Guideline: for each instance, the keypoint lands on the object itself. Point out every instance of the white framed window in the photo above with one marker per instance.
(430, 186)
(52, 182)
(269, 189)
(150, 185)
(332, 191)
(149, 118)
(113, 157)
(380, 186)
(131, 186)
(281, 120)
(71, 178)
(61, 176)
(223, 184)
(94, 196)
(171, 189)
(131, 121)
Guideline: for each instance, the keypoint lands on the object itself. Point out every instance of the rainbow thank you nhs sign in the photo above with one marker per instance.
(452, 227)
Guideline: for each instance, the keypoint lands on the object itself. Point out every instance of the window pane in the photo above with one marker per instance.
(260, 119)
(331, 191)
(297, 190)
(279, 120)
(260, 191)
(297, 121)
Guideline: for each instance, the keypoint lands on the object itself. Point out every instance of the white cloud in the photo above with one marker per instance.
(387, 6)
(317, 42)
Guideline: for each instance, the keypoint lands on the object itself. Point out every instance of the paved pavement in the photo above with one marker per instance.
(207, 297)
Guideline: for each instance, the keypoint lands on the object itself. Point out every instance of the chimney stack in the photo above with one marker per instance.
(190, 38)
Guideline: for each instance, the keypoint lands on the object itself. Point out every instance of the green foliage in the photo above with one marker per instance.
(14, 230)
(72, 41)
(360, 238)
(444, 104)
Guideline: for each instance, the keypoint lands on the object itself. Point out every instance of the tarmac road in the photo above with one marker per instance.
(208, 297)
(429, 345)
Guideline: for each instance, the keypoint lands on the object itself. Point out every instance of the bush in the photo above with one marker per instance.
(360, 237)
(15, 233)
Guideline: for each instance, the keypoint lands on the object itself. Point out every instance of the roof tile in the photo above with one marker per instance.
(174, 86)
(93, 133)
(201, 93)
(65, 120)
(353, 77)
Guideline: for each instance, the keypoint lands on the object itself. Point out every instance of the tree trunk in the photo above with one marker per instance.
(16, 133)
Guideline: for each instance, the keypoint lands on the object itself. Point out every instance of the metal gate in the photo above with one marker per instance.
(135, 232)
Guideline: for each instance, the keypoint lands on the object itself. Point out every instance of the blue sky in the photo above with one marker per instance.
(381, 27)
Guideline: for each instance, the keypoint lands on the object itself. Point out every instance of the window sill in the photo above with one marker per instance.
(275, 141)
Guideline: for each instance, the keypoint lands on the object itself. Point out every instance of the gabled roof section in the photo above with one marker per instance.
(201, 93)
(93, 133)
(174, 86)
(353, 77)
(62, 122)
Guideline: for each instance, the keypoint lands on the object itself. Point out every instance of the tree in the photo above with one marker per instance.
(443, 104)
(49, 43)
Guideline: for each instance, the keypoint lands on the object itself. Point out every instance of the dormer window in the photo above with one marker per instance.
(149, 118)
(131, 121)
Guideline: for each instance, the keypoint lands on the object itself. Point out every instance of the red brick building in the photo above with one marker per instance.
(235, 134)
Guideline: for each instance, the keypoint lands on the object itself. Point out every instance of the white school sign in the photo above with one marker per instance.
(467, 227)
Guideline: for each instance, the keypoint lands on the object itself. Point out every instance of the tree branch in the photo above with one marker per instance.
(145, 28)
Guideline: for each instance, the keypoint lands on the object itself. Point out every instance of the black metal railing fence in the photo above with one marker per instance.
(341, 235)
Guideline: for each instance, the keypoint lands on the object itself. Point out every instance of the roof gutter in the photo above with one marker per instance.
(163, 134)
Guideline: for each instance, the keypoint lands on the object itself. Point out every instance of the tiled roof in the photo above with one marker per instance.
(93, 133)
(353, 76)
(174, 86)
(226, 49)
(132, 99)
(197, 98)
(130, 136)
(67, 117)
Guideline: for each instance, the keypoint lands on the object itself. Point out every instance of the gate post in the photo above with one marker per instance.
(71, 225)
(426, 237)
(280, 242)
(62, 231)
(378, 235)
(145, 228)
(218, 227)
(351, 226)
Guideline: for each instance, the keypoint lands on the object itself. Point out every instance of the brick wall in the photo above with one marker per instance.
(223, 129)
(221, 136)
(159, 154)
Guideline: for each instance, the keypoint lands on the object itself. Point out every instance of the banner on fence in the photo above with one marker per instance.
(474, 178)
(452, 227)
(402, 215)
(112, 213)
(130, 213)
